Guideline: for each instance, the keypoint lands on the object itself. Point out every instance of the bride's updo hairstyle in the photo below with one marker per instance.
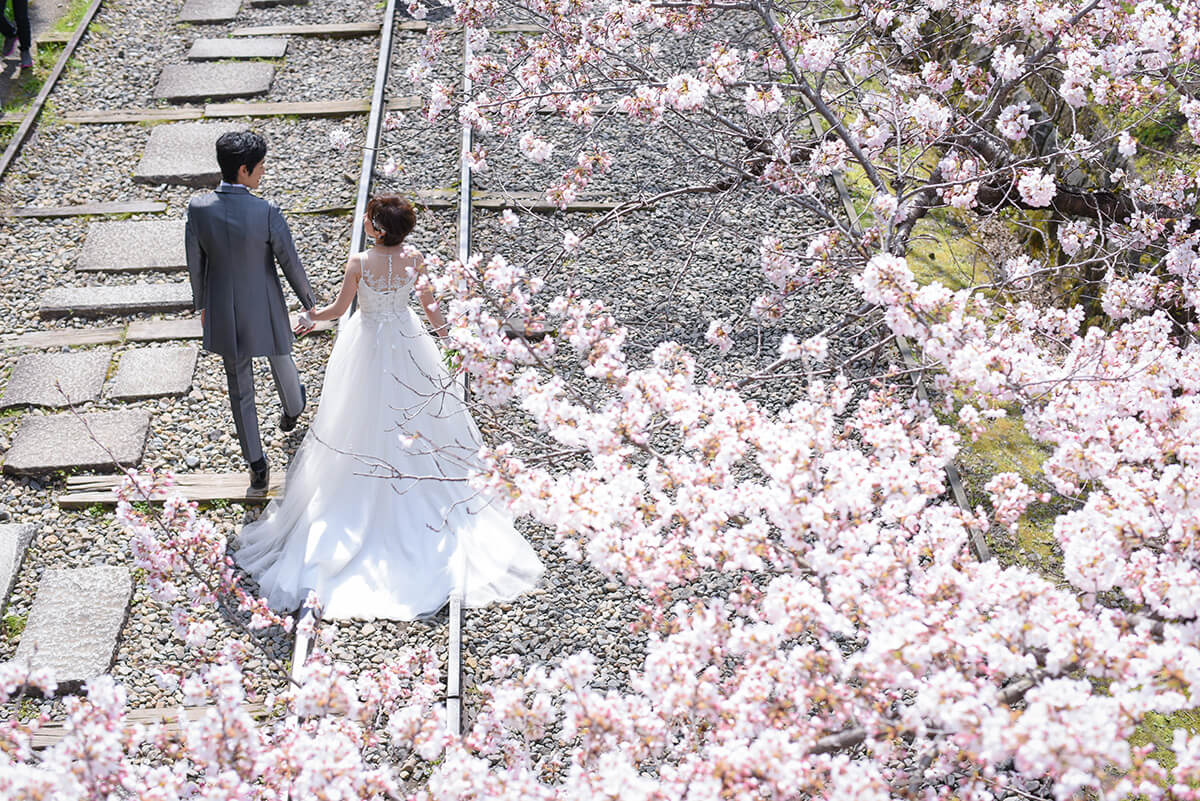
(393, 217)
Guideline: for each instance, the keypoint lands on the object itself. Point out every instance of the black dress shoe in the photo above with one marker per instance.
(260, 474)
(286, 421)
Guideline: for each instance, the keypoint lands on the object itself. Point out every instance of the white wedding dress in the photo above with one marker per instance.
(378, 517)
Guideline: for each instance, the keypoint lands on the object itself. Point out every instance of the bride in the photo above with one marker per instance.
(378, 518)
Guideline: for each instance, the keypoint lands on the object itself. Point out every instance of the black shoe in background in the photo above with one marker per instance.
(286, 421)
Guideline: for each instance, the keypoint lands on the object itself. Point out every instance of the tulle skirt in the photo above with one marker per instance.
(377, 516)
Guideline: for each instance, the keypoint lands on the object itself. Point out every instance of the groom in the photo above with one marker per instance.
(233, 241)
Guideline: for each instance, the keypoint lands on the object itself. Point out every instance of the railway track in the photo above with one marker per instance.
(366, 182)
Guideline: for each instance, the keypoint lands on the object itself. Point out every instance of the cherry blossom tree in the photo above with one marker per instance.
(862, 649)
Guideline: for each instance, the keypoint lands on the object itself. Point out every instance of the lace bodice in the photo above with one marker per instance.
(383, 294)
(380, 303)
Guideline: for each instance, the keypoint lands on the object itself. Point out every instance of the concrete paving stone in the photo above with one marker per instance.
(99, 301)
(200, 12)
(179, 83)
(56, 379)
(14, 542)
(132, 246)
(218, 49)
(183, 153)
(154, 373)
(101, 441)
(75, 623)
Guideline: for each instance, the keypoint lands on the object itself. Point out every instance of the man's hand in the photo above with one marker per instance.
(202, 318)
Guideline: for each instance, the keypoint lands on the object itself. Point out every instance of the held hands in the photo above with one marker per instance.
(304, 323)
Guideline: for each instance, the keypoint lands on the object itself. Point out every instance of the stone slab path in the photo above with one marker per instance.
(154, 373)
(133, 246)
(14, 542)
(85, 491)
(205, 12)
(56, 379)
(101, 301)
(179, 83)
(100, 441)
(218, 49)
(184, 154)
(76, 619)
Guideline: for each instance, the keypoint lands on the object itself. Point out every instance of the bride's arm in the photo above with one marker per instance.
(433, 311)
(345, 294)
(429, 304)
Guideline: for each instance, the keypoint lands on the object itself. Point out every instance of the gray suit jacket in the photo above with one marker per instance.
(233, 241)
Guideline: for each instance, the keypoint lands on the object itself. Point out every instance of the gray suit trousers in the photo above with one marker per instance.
(240, 374)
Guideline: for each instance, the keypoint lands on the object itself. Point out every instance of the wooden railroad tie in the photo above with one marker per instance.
(339, 30)
(135, 331)
(53, 733)
(310, 108)
(488, 201)
(85, 491)
(84, 209)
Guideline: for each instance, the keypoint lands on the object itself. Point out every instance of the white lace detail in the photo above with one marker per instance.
(381, 297)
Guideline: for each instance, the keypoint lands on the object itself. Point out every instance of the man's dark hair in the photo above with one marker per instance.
(237, 148)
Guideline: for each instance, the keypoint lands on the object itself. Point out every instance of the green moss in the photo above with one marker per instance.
(944, 257)
(1159, 730)
(1006, 447)
(71, 17)
(12, 626)
(1036, 546)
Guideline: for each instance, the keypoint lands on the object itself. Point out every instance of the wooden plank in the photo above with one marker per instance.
(54, 37)
(532, 201)
(489, 201)
(163, 330)
(22, 132)
(83, 209)
(84, 491)
(65, 337)
(11, 118)
(189, 328)
(516, 29)
(131, 115)
(320, 108)
(52, 733)
(345, 29)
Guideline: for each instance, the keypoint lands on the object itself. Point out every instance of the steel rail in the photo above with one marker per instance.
(387, 33)
(22, 132)
(374, 126)
(976, 540)
(454, 663)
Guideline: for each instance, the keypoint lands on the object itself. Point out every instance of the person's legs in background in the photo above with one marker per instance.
(18, 33)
